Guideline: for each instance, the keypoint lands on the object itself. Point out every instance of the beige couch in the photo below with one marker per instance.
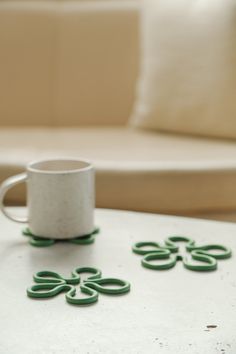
(68, 71)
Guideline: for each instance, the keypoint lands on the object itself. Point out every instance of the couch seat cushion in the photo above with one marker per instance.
(138, 170)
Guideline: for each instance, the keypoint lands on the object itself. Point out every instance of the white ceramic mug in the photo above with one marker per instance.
(60, 198)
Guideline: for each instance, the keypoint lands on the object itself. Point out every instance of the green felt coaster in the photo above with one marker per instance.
(205, 255)
(38, 241)
(49, 284)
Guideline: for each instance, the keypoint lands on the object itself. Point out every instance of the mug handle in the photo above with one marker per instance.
(6, 185)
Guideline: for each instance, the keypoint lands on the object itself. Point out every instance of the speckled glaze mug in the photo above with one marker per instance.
(60, 198)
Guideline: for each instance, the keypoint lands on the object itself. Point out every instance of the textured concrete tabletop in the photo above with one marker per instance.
(165, 312)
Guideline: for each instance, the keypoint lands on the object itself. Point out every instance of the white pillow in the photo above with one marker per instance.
(188, 67)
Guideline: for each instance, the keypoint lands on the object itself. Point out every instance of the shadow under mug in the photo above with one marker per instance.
(60, 198)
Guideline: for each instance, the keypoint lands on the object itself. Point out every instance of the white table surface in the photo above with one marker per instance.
(165, 312)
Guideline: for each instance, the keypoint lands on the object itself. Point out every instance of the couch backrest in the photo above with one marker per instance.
(67, 62)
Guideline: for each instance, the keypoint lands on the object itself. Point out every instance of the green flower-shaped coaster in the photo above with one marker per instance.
(50, 284)
(206, 256)
(38, 241)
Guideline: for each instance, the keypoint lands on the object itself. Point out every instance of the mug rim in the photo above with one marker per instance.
(31, 166)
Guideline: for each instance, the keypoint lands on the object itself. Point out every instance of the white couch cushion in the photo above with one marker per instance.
(135, 169)
(26, 47)
(67, 62)
(188, 74)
